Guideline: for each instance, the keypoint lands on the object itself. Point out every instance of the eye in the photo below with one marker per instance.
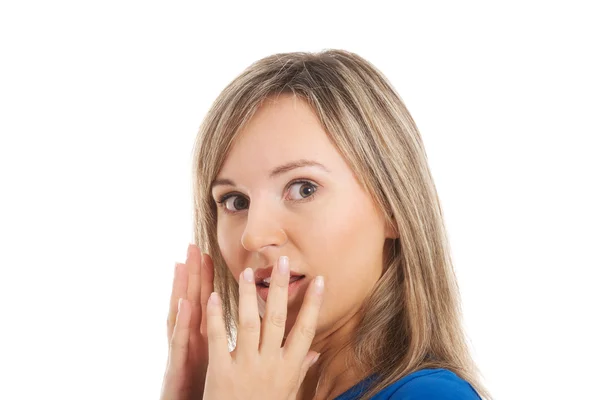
(299, 191)
(302, 190)
(233, 203)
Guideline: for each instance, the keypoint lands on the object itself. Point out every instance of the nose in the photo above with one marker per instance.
(263, 228)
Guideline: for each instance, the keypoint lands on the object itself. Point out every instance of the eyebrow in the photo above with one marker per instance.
(277, 171)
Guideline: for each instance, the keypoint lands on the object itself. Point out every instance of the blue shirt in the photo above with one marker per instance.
(425, 384)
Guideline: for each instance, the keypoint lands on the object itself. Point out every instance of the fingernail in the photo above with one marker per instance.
(213, 299)
(284, 266)
(314, 360)
(248, 275)
(319, 284)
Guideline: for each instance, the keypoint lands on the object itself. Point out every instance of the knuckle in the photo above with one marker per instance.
(307, 332)
(220, 337)
(282, 282)
(250, 326)
(278, 319)
(177, 344)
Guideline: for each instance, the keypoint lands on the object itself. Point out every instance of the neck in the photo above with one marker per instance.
(335, 372)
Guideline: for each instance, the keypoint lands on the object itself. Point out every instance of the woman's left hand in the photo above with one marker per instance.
(260, 368)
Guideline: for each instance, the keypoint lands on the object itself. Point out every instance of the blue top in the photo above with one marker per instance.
(430, 384)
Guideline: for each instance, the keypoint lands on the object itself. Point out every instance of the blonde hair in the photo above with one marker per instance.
(412, 319)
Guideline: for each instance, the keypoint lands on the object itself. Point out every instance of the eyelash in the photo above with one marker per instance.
(225, 197)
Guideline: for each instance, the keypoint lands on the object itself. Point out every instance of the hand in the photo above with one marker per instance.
(260, 368)
(186, 328)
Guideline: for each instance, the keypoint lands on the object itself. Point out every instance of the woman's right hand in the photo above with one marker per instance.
(186, 328)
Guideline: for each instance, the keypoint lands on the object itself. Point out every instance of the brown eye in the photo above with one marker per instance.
(235, 203)
(302, 190)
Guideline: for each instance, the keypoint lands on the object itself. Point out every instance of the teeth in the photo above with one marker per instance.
(267, 280)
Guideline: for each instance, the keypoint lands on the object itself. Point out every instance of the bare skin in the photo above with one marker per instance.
(259, 367)
(318, 216)
(188, 350)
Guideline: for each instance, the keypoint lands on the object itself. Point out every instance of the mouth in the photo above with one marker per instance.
(266, 282)
(297, 284)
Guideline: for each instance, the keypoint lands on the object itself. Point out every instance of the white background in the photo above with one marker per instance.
(100, 103)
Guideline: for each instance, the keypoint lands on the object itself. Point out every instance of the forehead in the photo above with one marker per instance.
(283, 129)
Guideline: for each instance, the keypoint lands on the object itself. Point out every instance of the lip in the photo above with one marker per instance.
(262, 273)
(293, 288)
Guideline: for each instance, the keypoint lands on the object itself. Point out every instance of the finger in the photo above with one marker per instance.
(218, 346)
(276, 308)
(248, 335)
(194, 288)
(302, 334)
(178, 349)
(310, 360)
(207, 274)
(178, 290)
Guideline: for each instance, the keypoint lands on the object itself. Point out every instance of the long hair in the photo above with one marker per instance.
(412, 318)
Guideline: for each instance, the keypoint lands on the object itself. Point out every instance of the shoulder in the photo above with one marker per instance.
(432, 384)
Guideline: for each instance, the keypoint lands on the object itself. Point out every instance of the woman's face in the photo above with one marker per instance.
(291, 193)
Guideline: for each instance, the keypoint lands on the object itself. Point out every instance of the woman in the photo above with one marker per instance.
(323, 238)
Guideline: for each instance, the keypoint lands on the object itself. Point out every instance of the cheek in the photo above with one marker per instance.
(346, 239)
(229, 245)
(347, 249)
(353, 254)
